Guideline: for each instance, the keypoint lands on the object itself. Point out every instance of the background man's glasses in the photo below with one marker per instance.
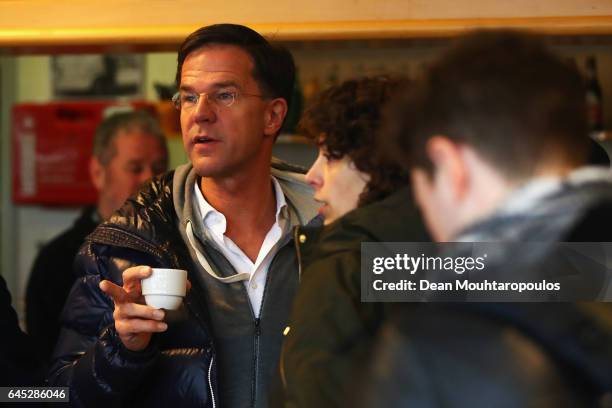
(189, 100)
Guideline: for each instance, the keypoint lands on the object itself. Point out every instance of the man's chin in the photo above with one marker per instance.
(206, 167)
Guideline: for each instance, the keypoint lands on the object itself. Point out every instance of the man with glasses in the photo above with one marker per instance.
(226, 218)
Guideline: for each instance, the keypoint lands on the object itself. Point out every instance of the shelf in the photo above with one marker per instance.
(167, 37)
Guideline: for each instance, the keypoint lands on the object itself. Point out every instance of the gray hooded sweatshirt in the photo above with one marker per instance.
(247, 348)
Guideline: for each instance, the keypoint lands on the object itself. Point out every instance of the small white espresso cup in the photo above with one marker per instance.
(165, 288)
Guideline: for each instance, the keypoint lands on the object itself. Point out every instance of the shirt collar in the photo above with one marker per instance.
(216, 221)
(282, 212)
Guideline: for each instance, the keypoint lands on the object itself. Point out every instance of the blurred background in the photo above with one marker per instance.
(66, 64)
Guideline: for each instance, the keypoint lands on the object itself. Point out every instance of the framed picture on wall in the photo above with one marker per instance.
(97, 76)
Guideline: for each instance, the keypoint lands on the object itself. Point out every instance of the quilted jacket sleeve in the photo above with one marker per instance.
(89, 357)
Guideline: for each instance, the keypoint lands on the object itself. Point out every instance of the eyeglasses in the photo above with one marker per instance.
(221, 98)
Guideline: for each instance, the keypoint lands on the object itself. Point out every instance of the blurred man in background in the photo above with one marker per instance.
(128, 148)
(496, 139)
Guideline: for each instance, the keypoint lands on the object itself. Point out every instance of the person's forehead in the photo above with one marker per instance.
(217, 62)
(129, 134)
(134, 142)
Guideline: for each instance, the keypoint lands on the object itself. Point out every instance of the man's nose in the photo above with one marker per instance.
(204, 110)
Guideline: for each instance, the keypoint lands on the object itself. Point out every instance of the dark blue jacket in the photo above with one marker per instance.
(178, 367)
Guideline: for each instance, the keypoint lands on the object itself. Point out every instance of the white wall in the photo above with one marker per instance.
(34, 225)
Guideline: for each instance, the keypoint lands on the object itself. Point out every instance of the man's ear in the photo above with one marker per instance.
(275, 114)
(450, 165)
(97, 173)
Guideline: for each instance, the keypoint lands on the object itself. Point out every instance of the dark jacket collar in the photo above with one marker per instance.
(393, 219)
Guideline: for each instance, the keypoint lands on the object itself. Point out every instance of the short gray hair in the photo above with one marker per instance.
(107, 131)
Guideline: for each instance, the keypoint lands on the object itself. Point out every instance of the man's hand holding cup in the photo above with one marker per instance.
(136, 321)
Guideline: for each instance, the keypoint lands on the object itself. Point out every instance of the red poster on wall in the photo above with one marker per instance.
(52, 145)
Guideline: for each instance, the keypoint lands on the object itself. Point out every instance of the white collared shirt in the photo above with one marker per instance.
(216, 223)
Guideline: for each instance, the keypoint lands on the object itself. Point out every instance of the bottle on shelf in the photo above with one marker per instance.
(332, 78)
(311, 88)
(594, 97)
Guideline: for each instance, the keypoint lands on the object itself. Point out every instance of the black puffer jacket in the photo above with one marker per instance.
(178, 367)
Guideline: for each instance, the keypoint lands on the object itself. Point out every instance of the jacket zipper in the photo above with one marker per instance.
(257, 327)
(257, 333)
(210, 386)
(256, 320)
